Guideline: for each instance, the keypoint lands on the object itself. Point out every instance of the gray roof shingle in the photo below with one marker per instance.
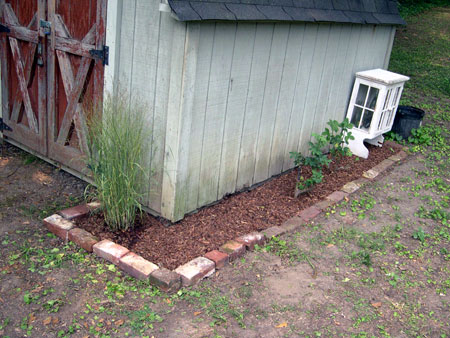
(384, 12)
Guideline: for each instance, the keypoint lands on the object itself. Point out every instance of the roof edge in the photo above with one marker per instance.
(283, 11)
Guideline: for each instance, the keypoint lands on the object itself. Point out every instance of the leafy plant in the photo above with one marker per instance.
(419, 234)
(143, 319)
(420, 136)
(53, 305)
(336, 138)
(283, 249)
(364, 257)
(117, 144)
(393, 137)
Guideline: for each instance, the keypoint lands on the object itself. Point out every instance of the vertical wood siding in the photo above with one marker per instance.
(227, 102)
(261, 89)
(143, 68)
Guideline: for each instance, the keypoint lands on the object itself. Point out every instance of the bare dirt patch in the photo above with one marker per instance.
(31, 187)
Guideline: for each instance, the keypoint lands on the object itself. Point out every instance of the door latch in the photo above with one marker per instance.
(46, 27)
(4, 126)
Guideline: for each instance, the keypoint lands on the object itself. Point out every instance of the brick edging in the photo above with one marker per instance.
(201, 267)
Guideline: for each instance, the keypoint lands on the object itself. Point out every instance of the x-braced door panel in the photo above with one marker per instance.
(23, 73)
(78, 30)
(53, 56)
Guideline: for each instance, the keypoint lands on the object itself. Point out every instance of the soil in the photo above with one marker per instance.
(32, 188)
(254, 210)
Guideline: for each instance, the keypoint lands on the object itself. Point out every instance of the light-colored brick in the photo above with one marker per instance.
(370, 174)
(137, 266)
(94, 206)
(350, 187)
(233, 249)
(250, 240)
(399, 156)
(195, 270)
(59, 226)
(336, 196)
(110, 251)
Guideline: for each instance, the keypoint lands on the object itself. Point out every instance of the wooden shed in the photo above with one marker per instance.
(232, 86)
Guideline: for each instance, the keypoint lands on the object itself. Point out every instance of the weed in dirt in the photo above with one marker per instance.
(142, 320)
(361, 206)
(419, 234)
(217, 306)
(29, 158)
(53, 305)
(283, 249)
(42, 211)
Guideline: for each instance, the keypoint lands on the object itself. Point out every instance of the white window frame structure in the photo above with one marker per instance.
(390, 88)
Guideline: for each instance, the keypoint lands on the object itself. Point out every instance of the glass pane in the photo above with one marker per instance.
(362, 93)
(386, 101)
(372, 99)
(367, 119)
(380, 122)
(356, 116)
(390, 112)
(396, 96)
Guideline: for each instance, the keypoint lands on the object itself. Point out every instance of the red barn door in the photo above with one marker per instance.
(23, 73)
(78, 29)
(52, 58)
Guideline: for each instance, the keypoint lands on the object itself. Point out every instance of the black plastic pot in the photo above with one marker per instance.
(407, 118)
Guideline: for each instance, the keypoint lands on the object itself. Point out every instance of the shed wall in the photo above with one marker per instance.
(147, 63)
(260, 90)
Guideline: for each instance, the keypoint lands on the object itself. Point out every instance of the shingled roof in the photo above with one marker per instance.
(344, 11)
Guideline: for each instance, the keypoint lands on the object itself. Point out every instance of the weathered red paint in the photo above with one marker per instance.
(21, 81)
(46, 106)
(76, 72)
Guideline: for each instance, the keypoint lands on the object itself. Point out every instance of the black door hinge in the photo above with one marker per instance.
(101, 54)
(4, 29)
(4, 126)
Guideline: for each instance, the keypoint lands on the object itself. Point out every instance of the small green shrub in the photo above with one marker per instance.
(336, 138)
(419, 234)
(393, 137)
(421, 136)
(117, 143)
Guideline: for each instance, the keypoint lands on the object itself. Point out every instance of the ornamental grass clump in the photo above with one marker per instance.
(117, 142)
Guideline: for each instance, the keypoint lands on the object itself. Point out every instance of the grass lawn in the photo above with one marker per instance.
(376, 265)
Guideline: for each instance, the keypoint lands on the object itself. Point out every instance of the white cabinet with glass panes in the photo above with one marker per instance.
(372, 107)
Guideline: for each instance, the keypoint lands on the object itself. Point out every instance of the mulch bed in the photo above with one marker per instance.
(267, 205)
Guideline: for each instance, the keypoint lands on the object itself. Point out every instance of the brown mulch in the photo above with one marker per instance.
(267, 205)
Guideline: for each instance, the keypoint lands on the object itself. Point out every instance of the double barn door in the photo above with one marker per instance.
(52, 73)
